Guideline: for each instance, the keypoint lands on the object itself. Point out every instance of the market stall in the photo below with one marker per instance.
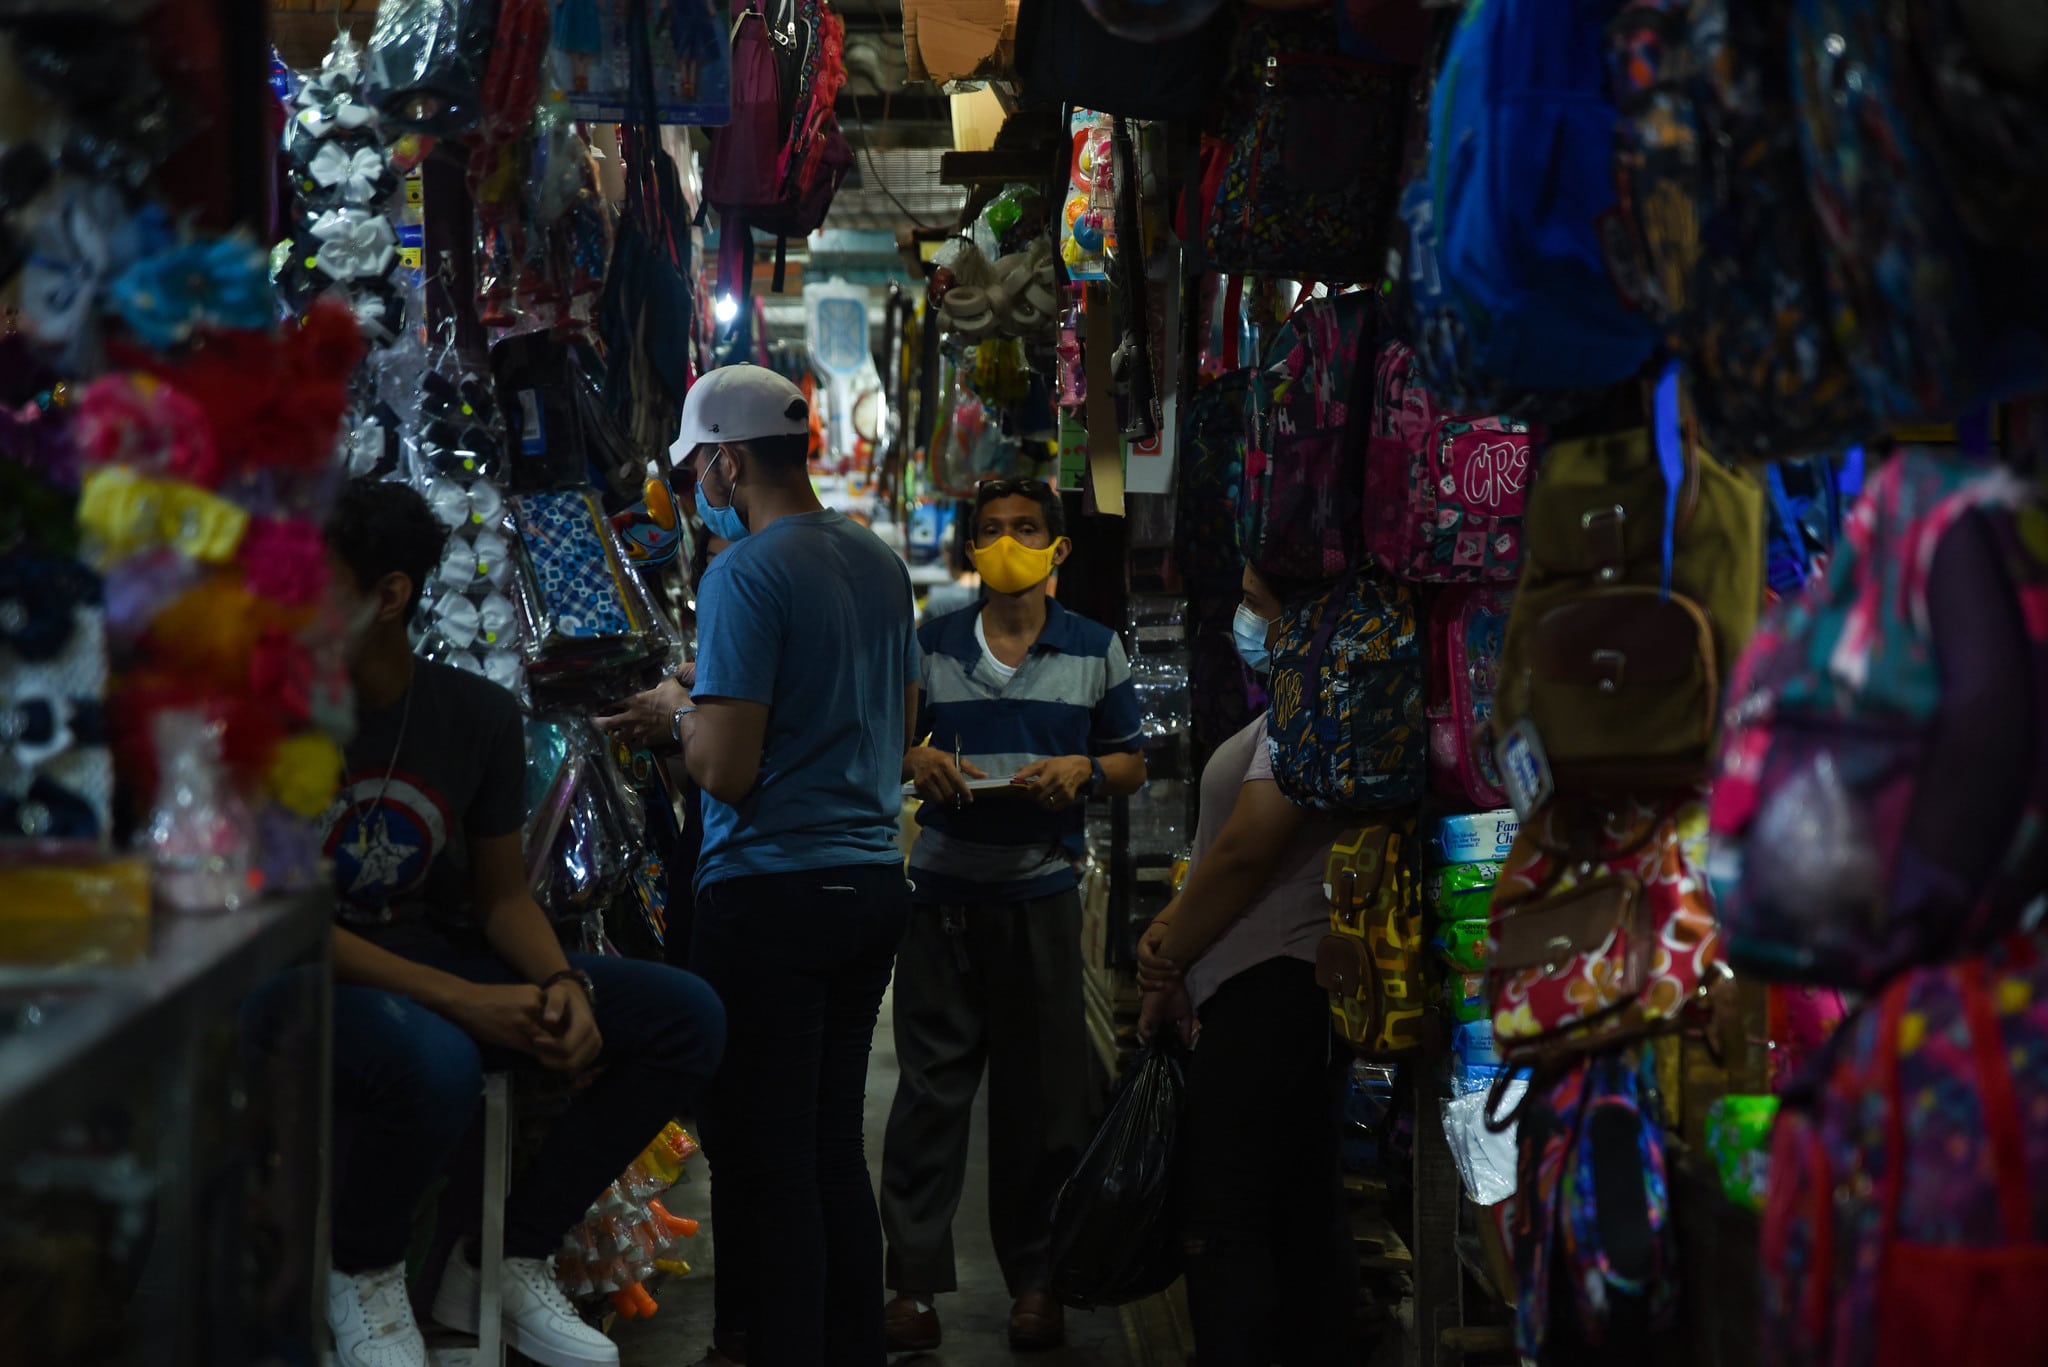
(1581, 461)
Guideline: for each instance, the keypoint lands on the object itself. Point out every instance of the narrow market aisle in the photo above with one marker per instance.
(976, 1320)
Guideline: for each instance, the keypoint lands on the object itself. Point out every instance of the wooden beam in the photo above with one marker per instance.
(1031, 165)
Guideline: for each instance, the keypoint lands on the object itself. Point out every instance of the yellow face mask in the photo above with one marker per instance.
(1009, 566)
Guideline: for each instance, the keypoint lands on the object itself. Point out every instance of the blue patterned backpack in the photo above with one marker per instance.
(1905, 288)
(1714, 190)
(1347, 726)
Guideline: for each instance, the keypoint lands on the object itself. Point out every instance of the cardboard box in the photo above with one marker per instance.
(954, 40)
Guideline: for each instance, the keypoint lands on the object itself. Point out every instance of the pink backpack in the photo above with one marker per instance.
(1443, 492)
(1466, 625)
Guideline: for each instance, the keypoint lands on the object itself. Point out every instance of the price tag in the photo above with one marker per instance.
(1525, 769)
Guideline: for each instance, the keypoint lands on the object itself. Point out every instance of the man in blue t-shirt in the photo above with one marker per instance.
(1016, 689)
(795, 728)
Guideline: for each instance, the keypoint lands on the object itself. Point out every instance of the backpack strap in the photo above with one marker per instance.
(1233, 322)
(1671, 456)
(1326, 627)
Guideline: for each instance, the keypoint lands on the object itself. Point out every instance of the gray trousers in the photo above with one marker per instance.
(995, 985)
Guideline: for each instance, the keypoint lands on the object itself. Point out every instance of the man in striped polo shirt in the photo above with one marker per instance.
(1025, 711)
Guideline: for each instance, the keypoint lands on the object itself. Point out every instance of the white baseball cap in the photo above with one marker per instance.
(739, 403)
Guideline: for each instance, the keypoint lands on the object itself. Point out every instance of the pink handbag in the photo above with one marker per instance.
(1466, 625)
(1443, 492)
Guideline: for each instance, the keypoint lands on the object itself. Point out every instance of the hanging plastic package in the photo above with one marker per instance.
(1115, 1238)
(644, 315)
(426, 62)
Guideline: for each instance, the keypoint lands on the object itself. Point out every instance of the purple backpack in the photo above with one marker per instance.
(1443, 493)
(1298, 516)
(1829, 718)
(1466, 625)
(1906, 1215)
(777, 165)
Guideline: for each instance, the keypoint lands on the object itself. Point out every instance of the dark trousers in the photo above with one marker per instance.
(801, 961)
(1272, 1273)
(998, 986)
(407, 1083)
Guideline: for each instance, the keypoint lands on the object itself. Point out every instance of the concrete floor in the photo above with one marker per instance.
(976, 1319)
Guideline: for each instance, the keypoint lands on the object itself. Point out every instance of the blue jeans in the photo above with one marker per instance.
(407, 1083)
(801, 961)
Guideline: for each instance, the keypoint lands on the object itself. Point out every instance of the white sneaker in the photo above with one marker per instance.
(539, 1319)
(372, 1320)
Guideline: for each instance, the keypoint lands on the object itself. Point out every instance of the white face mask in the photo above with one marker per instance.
(1248, 631)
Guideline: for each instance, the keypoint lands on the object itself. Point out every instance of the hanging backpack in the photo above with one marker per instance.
(1523, 212)
(1443, 493)
(1803, 520)
(1591, 1223)
(1294, 200)
(1641, 582)
(1904, 1221)
(1467, 624)
(1601, 930)
(777, 165)
(1298, 514)
(1830, 717)
(1714, 190)
(1205, 547)
(1904, 285)
(1371, 961)
(815, 158)
(1347, 729)
(1986, 62)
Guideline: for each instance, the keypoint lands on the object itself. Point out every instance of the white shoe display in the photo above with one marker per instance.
(372, 1320)
(539, 1319)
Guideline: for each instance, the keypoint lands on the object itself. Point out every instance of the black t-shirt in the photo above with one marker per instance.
(401, 846)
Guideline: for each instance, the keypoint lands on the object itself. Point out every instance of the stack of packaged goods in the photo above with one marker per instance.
(1462, 857)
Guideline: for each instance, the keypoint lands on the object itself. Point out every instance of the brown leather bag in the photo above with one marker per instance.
(1621, 679)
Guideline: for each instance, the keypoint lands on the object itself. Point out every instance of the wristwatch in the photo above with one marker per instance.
(1096, 778)
(574, 975)
(675, 723)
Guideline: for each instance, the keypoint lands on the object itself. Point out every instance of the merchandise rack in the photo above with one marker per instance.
(185, 1099)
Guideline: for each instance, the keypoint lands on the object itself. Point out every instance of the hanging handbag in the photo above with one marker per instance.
(1601, 930)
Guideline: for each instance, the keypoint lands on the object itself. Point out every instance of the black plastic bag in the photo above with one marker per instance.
(1116, 1225)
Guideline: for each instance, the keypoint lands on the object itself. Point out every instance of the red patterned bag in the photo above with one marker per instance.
(1601, 929)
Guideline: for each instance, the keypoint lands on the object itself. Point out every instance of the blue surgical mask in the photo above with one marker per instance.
(723, 522)
(1248, 630)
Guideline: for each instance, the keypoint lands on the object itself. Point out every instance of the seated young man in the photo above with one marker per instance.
(445, 966)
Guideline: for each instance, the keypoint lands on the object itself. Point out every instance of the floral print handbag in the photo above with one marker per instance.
(1601, 929)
